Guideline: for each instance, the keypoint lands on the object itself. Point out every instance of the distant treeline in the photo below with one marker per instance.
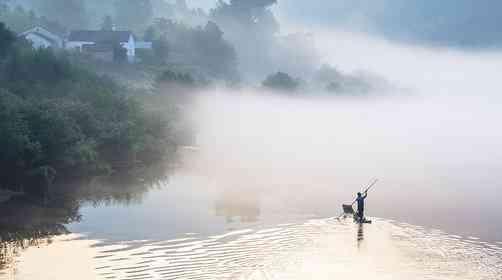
(57, 119)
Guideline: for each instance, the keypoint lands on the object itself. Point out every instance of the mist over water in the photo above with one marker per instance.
(434, 144)
(256, 195)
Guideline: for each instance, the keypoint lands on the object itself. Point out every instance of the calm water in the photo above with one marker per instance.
(191, 225)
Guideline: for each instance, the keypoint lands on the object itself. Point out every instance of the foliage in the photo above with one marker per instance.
(119, 53)
(281, 81)
(6, 40)
(70, 13)
(178, 78)
(57, 119)
(133, 14)
(19, 20)
(203, 48)
(107, 23)
(160, 49)
(26, 68)
(358, 83)
(253, 15)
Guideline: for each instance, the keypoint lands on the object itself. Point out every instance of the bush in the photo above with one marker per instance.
(57, 119)
(281, 81)
(6, 40)
(177, 78)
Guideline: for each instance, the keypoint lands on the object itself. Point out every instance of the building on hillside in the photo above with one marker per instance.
(42, 38)
(102, 43)
(99, 41)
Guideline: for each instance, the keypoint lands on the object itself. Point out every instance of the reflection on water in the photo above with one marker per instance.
(11, 249)
(192, 226)
(315, 249)
(232, 205)
(26, 222)
(360, 235)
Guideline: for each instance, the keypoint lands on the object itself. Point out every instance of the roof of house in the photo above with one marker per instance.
(52, 41)
(99, 36)
(43, 33)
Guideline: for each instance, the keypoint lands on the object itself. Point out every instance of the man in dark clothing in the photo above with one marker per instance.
(360, 205)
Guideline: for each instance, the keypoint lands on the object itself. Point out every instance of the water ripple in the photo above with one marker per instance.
(315, 249)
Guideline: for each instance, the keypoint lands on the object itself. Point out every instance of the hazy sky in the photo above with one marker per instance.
(472, 23)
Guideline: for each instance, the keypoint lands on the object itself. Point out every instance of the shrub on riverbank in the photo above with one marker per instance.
(57, 119)
(281, 81)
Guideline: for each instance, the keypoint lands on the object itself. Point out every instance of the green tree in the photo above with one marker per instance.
(107, 23)
(119, 53)
(18, 19)
(150, 34)
(161, 49)
(70, 13)
(7, 38)
(57, 119)
(40, 68)
(133, 14)
(281, 81)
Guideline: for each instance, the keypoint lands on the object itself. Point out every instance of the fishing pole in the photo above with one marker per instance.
(371, 185)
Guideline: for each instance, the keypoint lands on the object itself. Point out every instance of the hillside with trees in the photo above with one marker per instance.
(59, 120)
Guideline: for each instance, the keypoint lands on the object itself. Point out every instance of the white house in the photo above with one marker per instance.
(79, 39)
(42, 38)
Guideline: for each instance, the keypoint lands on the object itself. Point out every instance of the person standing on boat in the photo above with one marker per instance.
(360, 205)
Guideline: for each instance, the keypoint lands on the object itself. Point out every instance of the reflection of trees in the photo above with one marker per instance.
(124, 188)
(10, 249)
(25, 221)
(233, 204)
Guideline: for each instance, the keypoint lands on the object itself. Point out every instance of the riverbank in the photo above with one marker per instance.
(59, 120)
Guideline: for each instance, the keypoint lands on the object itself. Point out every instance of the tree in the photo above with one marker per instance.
(162, 8)
(150, 34)
(251, 27)
(18, 19)
(107, 23)
(57, 119)
(177, 78)
(133, 14)
(41, 66)
(161, 49)
(7, 38)
(203, 47)
(281, 81)
(70, 13)
(119, 53)
(216, 54)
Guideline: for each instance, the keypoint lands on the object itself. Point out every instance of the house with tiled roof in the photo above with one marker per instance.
(82, 40)
(42, 38)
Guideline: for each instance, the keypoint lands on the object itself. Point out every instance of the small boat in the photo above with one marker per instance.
(348, 210)
(364, 221)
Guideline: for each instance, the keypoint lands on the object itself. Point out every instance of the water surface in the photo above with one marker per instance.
(187, 226)
(256, 199)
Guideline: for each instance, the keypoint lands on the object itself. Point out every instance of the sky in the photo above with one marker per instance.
(462, 23)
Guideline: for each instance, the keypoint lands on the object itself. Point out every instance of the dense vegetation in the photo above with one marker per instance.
(203, 48)
(281, 81)
(20, 19)
(57, 119)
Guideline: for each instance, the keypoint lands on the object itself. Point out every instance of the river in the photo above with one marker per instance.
(192, 226)
(261, 202)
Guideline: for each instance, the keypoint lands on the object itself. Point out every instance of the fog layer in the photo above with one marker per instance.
(435, 146)
(464, 23)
